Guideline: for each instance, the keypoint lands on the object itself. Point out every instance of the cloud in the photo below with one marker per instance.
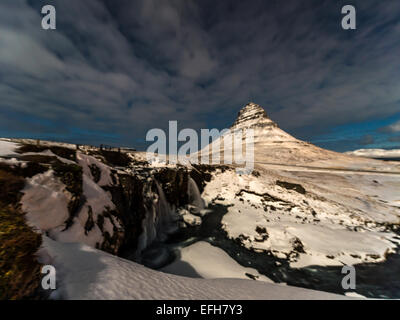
(123, 67)
(393, 128)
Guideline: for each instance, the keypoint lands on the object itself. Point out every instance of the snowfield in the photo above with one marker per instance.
(304, 228)
(87, 273)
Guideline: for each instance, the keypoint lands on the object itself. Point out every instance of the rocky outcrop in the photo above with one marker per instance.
(253, 116)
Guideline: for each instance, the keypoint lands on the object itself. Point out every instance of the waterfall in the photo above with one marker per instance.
(159, 220)
(195, 200)
(164, 216)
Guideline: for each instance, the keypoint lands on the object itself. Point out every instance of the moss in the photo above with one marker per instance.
(10, 187)
(19, 269)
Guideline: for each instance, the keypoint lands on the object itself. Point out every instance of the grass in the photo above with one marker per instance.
(19, 270)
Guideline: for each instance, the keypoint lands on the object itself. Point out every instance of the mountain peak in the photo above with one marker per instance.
(252, 115)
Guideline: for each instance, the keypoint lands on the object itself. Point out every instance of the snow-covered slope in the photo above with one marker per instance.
(218, 264)
(87, 273)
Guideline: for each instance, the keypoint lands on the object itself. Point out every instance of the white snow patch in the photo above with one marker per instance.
(45, 201)
(209, 262)
(7, 148)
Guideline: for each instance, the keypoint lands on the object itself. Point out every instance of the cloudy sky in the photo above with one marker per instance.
(114, 69)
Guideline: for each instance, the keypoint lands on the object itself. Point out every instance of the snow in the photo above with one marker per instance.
(7, 148)
(332, 233)
(201, 259)
(87, 273)
(85, 161)
(98, 200)
(337, 221)
(274, 146)
(355, 295)
(45, 201)
(376, 153)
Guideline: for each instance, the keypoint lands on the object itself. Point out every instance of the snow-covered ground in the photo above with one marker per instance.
(45, 201)
(307, 229)
(376, 153)
(7, 148)
(87, 273)
(201, 259)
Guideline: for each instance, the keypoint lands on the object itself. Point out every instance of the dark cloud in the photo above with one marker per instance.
(367, 140)
(115, 68)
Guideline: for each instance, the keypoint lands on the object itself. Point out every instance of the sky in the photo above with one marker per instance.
(114, 69)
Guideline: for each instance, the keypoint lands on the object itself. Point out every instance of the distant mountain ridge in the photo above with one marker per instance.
(393, 154)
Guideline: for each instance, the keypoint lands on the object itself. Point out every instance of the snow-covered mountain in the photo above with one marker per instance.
(102, 217)
(376, 153)
(273, 145)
